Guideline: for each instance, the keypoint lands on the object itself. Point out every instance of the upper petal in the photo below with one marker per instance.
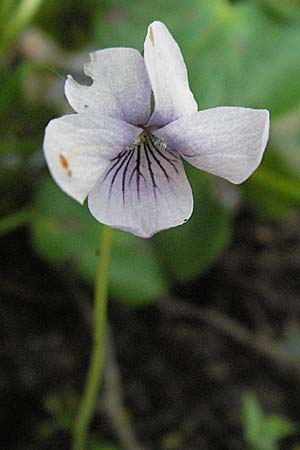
(120, 89)
(168, 76)
(77, 146)
(143, 192)
(226, 141)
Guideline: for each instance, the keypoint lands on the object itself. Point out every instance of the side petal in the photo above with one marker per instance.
(76, 147)
(226, 141)
(144, 193)
(120, 89)
(168, 76)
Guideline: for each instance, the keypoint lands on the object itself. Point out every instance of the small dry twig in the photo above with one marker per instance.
(261, 345)
(113, 400)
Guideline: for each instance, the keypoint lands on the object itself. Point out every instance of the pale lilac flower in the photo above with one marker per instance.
(127, 160)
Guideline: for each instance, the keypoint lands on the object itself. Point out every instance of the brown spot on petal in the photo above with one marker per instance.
(65, 164)
(151, 36)
(63, 161)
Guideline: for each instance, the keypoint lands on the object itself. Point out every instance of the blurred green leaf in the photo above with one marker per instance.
(268, 60)
(64, 231)
(273, 190)
(252, 417)
(288, 8)
(272, 194)
(263, 432)
(70, 22)
(285, 139)
(235, 53)
(10, 84)
(188, 250)
(275, 428)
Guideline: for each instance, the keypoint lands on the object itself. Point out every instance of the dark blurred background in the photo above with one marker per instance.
(204, 320)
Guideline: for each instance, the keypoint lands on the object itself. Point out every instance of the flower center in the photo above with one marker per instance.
(142, 163)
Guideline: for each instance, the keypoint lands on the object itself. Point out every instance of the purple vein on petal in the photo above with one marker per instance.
(154, 185)
(147, 147)
(169, 160)
(124, 175)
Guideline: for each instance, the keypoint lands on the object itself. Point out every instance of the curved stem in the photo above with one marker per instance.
(89, 398)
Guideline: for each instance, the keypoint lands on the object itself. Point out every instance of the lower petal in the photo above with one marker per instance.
(143, 191)
(225, 141)
(77, 148)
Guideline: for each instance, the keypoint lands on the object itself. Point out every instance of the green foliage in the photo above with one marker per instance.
(274, 189)
(285, 140)
(64, 231)
(71, 22)
(289, 9)
(10, 85)
(236, 54)
(263, 432)
(188, 250)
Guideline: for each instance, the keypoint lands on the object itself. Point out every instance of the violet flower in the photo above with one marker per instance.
(128, 160)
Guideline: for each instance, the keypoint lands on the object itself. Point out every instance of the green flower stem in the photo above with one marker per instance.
(89, 398)
(15, 220)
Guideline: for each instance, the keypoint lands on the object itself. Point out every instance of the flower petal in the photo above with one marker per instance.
(77, 146)
(168, 76)
(226, 141)
(146, 191)
(121, 87)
